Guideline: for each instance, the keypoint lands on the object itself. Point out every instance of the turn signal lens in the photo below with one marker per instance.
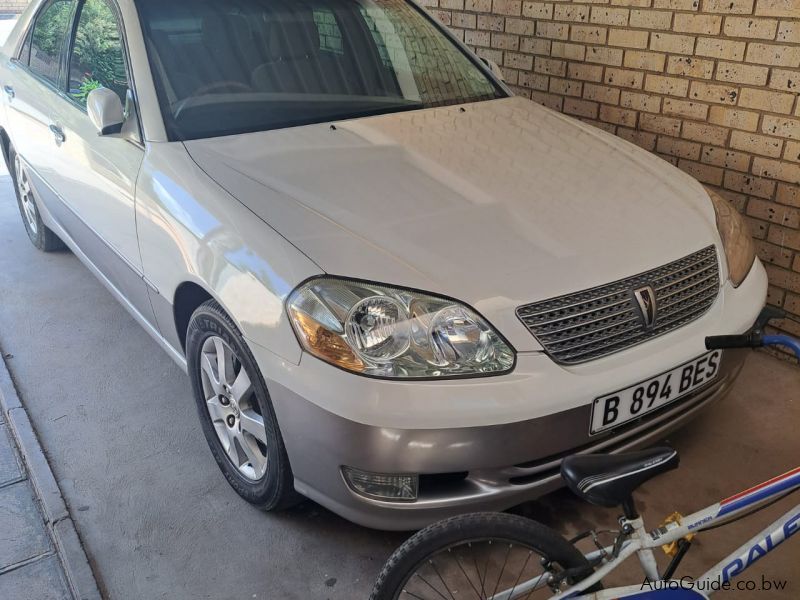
(740, 251)
(394, 333)
(326, 344)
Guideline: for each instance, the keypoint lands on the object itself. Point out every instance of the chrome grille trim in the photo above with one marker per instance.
(586, 325)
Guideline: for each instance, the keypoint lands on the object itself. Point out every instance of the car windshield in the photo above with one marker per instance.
(223, 68)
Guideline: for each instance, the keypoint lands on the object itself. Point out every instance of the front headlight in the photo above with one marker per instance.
(740, 251)
(394, 333)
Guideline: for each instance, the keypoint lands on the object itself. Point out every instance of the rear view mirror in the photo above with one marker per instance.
(494, 68)
(105, 111)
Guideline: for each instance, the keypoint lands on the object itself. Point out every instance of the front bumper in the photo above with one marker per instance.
(482, 444)
(468, 469)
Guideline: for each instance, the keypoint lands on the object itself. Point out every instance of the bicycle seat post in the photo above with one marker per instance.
(629, 508)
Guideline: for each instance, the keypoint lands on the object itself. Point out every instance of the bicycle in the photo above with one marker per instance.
(511, 557)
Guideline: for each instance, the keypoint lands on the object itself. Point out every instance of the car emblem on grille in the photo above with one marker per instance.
(646, 297)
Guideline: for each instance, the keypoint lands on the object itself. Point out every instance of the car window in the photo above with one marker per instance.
(97, 58)
(237, 66)
(25, 52)
(48, 37)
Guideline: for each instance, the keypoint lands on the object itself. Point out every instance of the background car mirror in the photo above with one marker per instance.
(105, 111)
(494, 68)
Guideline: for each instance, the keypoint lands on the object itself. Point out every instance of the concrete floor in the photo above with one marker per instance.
(159, 521)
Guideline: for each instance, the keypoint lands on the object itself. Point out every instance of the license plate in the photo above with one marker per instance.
(638, 400)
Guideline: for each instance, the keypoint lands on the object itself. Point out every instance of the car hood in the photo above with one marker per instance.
(497, 203)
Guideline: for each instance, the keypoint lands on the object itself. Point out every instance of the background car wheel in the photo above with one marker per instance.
(236, 412)
(40, 235)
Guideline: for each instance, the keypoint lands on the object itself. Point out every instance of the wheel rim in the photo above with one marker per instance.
(480, 569)
(233, 408)
(26, 195)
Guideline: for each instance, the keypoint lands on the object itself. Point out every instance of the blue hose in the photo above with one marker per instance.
(783, 340)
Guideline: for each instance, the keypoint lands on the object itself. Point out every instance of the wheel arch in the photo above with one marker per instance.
(188, 298)
(5, 145)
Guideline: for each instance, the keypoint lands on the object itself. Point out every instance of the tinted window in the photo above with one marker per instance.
(249, 65)
(97, 58)
(47, 40)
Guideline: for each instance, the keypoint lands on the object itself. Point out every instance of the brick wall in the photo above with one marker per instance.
(709, 85)
(12, 6)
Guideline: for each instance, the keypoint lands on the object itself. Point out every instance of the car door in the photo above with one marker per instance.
(95, 175)
(32, 89)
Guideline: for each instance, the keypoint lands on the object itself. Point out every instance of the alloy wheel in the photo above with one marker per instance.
(233, 408)
(26, 195)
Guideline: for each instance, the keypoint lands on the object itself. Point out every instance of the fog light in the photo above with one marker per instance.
(381, 486)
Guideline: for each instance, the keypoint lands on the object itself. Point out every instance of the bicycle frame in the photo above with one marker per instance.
(643, 543)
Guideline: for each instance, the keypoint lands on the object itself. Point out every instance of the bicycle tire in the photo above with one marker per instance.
(502, 527)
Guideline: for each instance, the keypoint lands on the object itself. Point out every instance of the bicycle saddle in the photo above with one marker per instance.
(610, 479)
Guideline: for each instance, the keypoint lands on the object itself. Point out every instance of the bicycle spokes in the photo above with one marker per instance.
(481, 570)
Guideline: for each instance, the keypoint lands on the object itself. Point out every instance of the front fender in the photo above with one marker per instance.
(190, 229)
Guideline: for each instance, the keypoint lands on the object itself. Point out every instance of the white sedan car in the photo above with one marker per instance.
(396, 289)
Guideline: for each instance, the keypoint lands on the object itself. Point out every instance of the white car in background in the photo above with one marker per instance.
(396, 289)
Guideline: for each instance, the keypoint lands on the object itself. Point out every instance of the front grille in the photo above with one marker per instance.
(587, 325)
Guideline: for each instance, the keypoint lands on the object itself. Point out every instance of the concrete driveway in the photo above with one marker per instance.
(159, 521)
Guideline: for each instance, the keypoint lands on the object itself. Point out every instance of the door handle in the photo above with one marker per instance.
(58, 133)
(9, 92)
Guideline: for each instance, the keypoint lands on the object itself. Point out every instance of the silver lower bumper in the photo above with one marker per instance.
(465, 469)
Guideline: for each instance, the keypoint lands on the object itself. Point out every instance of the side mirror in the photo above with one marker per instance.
(105, 111)
(494, 68)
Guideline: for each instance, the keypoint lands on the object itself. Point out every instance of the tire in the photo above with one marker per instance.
(211, 328)
(455, 535)
(40, 235)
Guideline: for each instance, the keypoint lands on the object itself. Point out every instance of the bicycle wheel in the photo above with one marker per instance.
(480, 556)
